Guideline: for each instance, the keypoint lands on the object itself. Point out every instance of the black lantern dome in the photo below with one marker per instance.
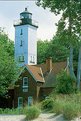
(26, 19)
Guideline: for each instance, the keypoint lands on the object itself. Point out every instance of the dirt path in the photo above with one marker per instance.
(52, 117)
(42, 117)
(49, 117)
(12, 117)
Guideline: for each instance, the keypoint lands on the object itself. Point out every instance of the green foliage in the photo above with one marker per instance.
(68, 105)
(71, 110)
(32, 112)
(58, 106)
(68, 28)
(10, 111)
(53, 48)
(8, 68)
(42, 50)
(47, 104)
(65, 83)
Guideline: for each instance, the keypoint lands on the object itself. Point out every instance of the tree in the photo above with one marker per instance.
(71, 21)
(52, 48)
(8, 68)
(42, 50)
(65, 83)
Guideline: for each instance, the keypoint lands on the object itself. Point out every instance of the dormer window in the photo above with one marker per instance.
(25, 84)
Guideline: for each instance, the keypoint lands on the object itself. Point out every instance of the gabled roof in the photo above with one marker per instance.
(56, 67)
(36, 72)
(50, 77)
(40, 74)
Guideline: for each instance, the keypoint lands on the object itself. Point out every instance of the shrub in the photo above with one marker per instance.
(71, 110)
(47, 104)
(1, 111)
(58, 106)
(32, 112)
(65, 83)
(11, 111)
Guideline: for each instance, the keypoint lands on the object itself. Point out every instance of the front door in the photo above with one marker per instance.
(20, 102)
(30, 100)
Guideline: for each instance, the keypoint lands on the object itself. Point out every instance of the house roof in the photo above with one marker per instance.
(40, 74)
(36, 72)
(50, 77)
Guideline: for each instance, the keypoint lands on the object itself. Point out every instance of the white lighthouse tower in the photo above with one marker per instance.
(25, 39)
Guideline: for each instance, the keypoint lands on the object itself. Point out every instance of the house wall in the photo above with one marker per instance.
(39, 85)
(45, 91)
(33, 89)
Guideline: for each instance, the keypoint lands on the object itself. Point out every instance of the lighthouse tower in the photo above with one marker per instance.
(25, 39)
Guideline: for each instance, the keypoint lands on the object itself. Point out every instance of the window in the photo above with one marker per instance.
(25, 84)
(30, 100)
(21, 58)
(33, 59)
(20, 102)
(21, 32)
(21, 43)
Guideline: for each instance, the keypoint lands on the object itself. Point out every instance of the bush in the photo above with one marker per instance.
(1, 111)
(65, 83)
(32, 112)
(11, 111)
(58, 107)
(47, 104)
(71, 110)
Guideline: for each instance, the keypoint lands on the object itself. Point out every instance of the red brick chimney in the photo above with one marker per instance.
(49, 64)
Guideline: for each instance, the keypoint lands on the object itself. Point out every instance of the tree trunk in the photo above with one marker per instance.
(79, 69)
(71, 43)
(71, 63)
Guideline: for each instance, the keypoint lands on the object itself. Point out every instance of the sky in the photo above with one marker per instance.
(10, 11)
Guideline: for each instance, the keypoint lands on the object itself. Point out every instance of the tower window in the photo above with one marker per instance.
(21, 32)
(21, 43)
(21, 58)
(33, 59)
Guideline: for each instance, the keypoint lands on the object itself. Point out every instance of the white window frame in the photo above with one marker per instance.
(21, 58)
(20, 105)
(33, 59)
(25, 86)
(30, 100)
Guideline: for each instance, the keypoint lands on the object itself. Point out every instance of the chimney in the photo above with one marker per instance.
(49, 64)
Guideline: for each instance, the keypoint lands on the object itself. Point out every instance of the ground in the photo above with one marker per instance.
(12, 117)
(42, 117)
(49, 117)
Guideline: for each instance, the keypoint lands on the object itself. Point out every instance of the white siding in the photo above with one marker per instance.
(32, 44)
(29, 43)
